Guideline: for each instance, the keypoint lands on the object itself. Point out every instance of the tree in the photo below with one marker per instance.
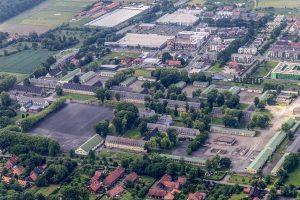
(256, 101)
(59, 91)
(102, 128)
(166, 56)
(118, 96)
(117, 122)
(5, 99)
(76, 79)
(225, 163)
(101, 94)
(143, 127)
(26, 82)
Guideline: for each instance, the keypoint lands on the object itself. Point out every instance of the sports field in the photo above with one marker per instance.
(24, 62)
(45, 16)
(279, 3)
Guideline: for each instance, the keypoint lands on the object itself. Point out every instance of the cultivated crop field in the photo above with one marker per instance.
(24, 62)
(45, 16)
(279, 3)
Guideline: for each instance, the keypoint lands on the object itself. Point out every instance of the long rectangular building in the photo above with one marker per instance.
(232, 131)
(125, 143)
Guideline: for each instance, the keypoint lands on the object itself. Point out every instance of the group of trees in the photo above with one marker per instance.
(9, 8)
(232, 118)
(22, 143)
(56, 172)
(126, 117)
(29, 122)
(198, 142)
(260, 121)
(7, 82)
(218, 163)
(118, 78)
(163, 141)
(102, 128)
(44, 68)
(225, 98)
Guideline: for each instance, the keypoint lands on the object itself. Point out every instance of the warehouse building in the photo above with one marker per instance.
(125, 143)
(178, 18)
(87, 76)
(286, 70)
(67, 78)
(128, 81)
(188, 160)
(269, 149)
(90, 145)
(232, 131)
(148, 41)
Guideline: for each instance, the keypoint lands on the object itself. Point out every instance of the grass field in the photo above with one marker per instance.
(20, 77)
(264, 68)
(24, 62)
(240, 179)
(294, 177)
(142, 72)
(46, 191)
(196, 2)
(79, 97)
(45, 16)
(238, 196)
(133, 133)
(216, 68)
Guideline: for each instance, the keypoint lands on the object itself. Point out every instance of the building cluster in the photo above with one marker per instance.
(16, 172)
(285, 50)
(99, 9)
(275, 23)
(111, 184)
(261, 159)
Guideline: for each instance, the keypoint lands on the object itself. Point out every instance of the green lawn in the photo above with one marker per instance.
(294, 177)
(142, 72)
(20, 77)
(243, 106)
(133, 133)
(264, 69)
(121, 55)
(279, 3)
(240, 179)
(217, 121)
(217, 176)
(216, 68)
(23, 62)
(79, 97)
(46, 191)
(238, 196)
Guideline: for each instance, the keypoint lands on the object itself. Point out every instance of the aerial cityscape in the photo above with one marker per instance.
(149, 99)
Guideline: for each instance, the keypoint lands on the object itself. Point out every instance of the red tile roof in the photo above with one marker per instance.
(18, 170)
(114, 176)
(174, 62)
(6, 179)
(181, 180)
(98, 174)
(23, 183)
(170, 184)
(33, 176)
(132, 177)
(115, 191)
(95, 186)
(195, 196)
(157, 193)
(166, 177)
(11, 162)
(169, 196)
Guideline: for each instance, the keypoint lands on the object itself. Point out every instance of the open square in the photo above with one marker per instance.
(73, 125)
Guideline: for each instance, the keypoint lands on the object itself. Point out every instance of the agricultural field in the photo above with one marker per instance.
(45, 16)
(279, 3)
(23, 62)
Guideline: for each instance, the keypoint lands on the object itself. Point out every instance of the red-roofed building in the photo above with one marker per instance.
(181, 180)
(24, 184)
(196, 196)
(247, 190)
(114, 176)
(18, 170)
(6, 179)
(75, 61)
(98, 174)
(11, 162)
(95, 186)
(174, 63)
(169, 196)
(166, 177)
(132, 177)
(33, 176)
(256, 198)
(170, 185)
(116, 191)
(157, 193)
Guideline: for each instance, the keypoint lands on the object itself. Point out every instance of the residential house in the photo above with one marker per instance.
(114, 176)
(132, 177)
(11, 162)
(116, 191)
(181, 105)
(129, 96)
(18, 170)
(196, 196)
(95, 186)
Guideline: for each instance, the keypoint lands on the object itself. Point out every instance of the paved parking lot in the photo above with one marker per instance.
(73, 125)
